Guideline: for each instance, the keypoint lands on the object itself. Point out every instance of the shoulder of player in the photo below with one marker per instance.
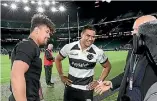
(96, 49)
(70, 45)
(27, 45)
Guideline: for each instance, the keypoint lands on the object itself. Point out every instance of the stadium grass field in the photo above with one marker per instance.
(117, 59)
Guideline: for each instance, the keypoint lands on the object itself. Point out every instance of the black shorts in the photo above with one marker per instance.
(73, 94)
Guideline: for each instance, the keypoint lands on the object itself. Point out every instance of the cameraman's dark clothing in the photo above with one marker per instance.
(49, 56)
(48, 73)
(48, 64)
(143, 78)
(28, 52)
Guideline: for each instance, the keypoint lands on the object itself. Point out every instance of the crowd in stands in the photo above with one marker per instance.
(109, 46)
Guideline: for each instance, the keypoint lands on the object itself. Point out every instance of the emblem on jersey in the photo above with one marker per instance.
(90, 56)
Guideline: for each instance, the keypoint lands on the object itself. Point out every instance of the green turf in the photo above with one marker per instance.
(117, 59)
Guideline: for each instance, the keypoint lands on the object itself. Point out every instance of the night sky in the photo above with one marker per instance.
(86, 10)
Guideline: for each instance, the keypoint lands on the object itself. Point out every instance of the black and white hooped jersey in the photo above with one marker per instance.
(82, 63)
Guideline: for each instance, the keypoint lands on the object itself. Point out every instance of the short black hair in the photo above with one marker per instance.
(41, 19)
(89, 27)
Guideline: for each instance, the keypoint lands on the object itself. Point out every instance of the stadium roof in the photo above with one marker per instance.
(87, 9)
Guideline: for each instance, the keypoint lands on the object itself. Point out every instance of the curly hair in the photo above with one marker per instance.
(41, 19)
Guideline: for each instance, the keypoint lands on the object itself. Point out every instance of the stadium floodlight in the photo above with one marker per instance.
(40, 9)
(53, 9)
(27, 8)
(13, 6)
(17, 0)
(108, 1)
(5, 4)
(32, 2)
(47, 3)
(25, 1)
(62, 8)
(40, 2)
(53, 2)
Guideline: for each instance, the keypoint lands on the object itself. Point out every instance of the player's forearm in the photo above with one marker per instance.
(59, 66)
(116, 81)
(105, 73)
(18, 87)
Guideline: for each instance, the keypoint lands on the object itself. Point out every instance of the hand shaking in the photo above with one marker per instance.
(92, 85)
(103, 87)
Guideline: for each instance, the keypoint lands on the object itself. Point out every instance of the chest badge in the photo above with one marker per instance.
(90, 56)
